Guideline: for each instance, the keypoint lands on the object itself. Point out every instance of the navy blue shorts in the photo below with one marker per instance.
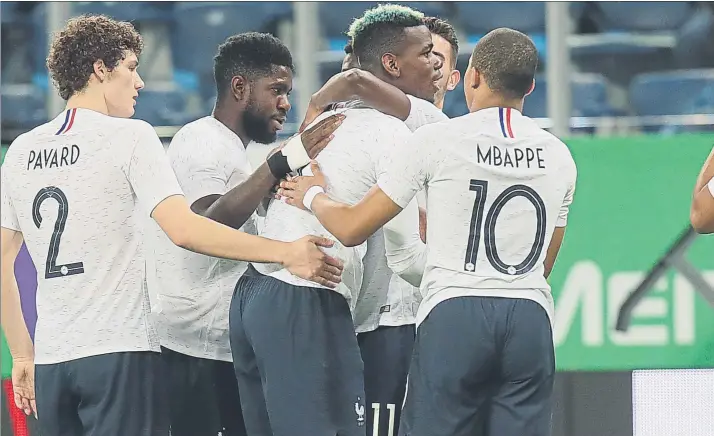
(116, 394)
(203, 396)
(296, 360)
(481, 366)
(386, 353)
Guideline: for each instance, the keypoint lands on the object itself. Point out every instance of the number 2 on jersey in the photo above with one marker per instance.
(489, 228)
(52, 270)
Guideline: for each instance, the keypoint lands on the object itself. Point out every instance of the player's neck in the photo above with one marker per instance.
(88, 100)
(496, 101)
(233, 120)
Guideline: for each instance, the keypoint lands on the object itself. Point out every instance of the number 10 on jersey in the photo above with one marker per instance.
(480, 187)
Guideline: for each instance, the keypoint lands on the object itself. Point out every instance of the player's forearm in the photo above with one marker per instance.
(13, 322)
(363, 85)
(344, 222)
(217, 240)
(237, 205)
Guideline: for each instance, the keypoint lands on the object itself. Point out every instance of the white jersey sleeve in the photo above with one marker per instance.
(149, 171)
(9, 216)
(422, 113)
(406, 170)
(406, 253)
(200, 173)
(562, 219)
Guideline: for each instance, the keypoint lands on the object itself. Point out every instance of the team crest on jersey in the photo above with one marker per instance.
(359, 410)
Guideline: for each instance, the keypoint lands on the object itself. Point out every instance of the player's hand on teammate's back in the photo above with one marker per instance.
(292, 190)
(23, 385)
(310, 115)
(316, 138)
(308, 261)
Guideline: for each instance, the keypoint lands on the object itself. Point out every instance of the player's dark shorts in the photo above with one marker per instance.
(386, 353)
(296, 359)
(481, 366)
(203, 396)
(115, 394)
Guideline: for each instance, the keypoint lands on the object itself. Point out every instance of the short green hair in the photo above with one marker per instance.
(381, 30)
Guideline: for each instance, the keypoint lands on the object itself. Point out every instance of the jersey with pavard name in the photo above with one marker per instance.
(79, 188)
(350, 163)
(386, 299)
(497, 186)
(191, 292)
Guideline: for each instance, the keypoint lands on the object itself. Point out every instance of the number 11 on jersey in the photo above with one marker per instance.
(489, 228)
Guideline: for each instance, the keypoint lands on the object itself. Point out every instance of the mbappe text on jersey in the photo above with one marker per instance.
(510, 157)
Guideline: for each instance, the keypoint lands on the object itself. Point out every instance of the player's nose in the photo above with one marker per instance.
(438, 63)
(284, 103)
(138, 83)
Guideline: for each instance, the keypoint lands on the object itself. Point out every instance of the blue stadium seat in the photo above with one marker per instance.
(126, 10)
(673, 93)
(16, 45)
(642, 16)
(482, 17)
(478, 18)
(588, 92)
(23, 106)
(200, 27)
(163, 108)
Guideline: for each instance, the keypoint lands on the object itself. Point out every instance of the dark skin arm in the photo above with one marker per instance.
(237, 205)
(358, 84)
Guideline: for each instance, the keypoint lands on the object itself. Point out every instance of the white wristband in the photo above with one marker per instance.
(295, 152)
(310, 196)
(710, 185)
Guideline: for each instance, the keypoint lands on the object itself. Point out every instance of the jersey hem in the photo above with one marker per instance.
(45, 360)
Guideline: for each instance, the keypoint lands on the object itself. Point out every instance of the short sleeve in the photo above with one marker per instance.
(149, 171)
(8, 216)
(199, 170)
(562, 220)
(406, 169)
(422, 113)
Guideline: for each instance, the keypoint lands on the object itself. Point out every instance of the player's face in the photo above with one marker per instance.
(442, 50)
(122, 87)
(419, 67)
(268, 105)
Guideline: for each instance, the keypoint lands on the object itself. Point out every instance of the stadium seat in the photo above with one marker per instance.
(632, 28)
(478, 18)
(200, 27)
(23, 106)
(641, 16)
(683, 92)
(673, 93)
(589, 97)
(163, 108)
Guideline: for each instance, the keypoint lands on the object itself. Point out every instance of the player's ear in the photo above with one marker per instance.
(240, 88)
(454, 78)
(391, 65)
(475, 78)
(100, 70)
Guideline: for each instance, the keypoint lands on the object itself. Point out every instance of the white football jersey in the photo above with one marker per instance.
(191, 292)
(350, 163)
(497, 186)
(79, 189)
(386, 299)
